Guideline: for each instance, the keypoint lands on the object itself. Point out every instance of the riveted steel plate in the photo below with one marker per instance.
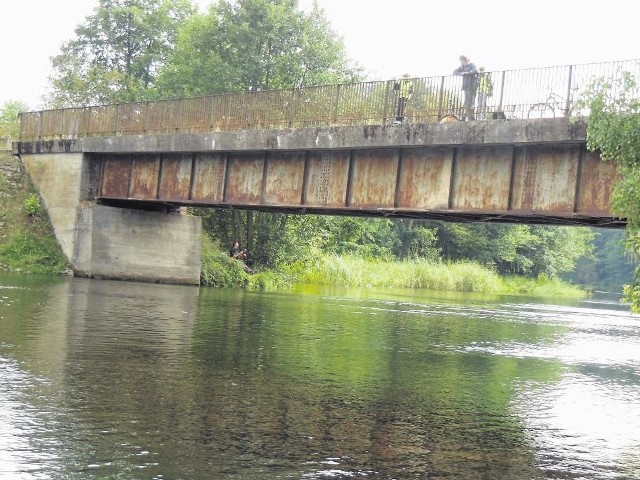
(208, 182)
(144, 177)
(116, 173)
(327, 178)
(284, 178)
(175, 177)
(374, 178)
(425, 178)
(482, 179)
(244, 178)
(545, 179)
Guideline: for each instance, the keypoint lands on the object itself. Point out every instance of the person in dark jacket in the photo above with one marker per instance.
(240, 255)
(469, 74)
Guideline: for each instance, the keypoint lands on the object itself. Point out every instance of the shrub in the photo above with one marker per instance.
(32, 204)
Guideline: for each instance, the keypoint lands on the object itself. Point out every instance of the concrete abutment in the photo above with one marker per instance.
(109, 242)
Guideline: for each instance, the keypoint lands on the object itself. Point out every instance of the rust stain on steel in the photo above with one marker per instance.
(176, 177)
(374, 178)
(115, 177)
(285, 175)
(328, 176)
(545, 179)
(482, 179)
(424, 180)
(598, 179)
(245, 175)
(208, 182)
(144, 177)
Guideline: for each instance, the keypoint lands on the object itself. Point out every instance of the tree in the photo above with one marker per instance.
(609, 268)
(9, 121)
(253, 45)
(613, 129)
(516, 249)
(117, 53)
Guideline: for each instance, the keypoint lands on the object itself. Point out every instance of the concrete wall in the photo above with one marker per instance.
(137, 245)
(59, 179)
(107, 242)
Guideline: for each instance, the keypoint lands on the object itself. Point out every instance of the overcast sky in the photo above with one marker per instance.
(388, 38)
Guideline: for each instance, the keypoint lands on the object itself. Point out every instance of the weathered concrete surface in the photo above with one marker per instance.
(137, 245)
(107, 242)
(59, 179)
(490, 132)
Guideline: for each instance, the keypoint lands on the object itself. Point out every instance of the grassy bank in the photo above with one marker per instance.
(356, 272)
(27, 242)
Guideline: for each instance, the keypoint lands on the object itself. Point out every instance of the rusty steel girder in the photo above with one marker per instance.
(549, 184)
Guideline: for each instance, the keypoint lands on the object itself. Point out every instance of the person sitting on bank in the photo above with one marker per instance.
(237, 253)
(240, 255)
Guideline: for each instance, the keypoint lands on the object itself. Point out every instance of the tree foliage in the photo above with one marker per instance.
(609, 268)
(528, 250)
(117, 53)
(252, 45)
(9, 120)
(613, 130)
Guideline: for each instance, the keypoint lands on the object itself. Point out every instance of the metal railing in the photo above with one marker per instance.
(529, 93)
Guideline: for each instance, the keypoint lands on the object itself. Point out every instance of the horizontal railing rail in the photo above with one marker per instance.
(529, 93)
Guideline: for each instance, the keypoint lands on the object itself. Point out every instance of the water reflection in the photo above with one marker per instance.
(21, 421)
(125, 380)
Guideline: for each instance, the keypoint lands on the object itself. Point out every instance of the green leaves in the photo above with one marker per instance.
(117, 53)
(252, 45)
(9, 121)
(613, 130)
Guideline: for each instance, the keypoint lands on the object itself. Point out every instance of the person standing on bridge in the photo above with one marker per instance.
(469, 74)
(404, 89)
(485, 90)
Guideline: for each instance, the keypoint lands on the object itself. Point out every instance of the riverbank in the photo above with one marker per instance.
(348, 271)
(27, 241)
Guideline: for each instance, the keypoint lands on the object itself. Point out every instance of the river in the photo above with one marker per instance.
(118, 380)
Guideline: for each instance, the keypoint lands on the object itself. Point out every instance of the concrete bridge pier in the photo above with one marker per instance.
(107, 242)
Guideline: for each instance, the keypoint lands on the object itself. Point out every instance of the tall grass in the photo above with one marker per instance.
(541, 286)
(352, 271)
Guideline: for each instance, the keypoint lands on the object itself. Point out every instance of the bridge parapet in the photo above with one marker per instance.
(512, 132)
(518, 94)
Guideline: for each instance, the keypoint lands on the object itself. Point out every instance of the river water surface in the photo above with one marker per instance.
(119, 380)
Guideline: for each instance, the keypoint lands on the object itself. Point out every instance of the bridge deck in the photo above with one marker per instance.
(528, 171)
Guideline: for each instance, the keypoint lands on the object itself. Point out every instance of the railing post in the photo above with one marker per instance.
(20, 120)
(441, 99)
(386, 102)
(178, 115)
(62, 135)
(337, 104)
(145, 119)
(87, 122)
(292, 106)
(212, 115)
(568, 101)
(500, 108)
(116, 112)
(41, 125)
